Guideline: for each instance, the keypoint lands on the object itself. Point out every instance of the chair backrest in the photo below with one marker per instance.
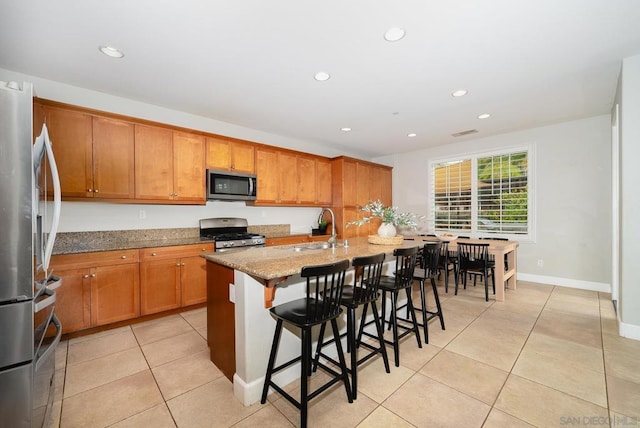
(324, 288)
(431, 258)
(473, 256)
(405, 266)
(368, 271)
(494, 239)
(444, 254)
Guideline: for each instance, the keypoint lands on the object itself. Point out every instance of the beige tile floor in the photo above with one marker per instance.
(548, 356)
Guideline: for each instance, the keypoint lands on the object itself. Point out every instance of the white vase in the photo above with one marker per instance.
(387, 230)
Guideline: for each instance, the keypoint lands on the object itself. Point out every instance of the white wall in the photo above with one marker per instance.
(572, 190)
(629, 299)
(92, 216)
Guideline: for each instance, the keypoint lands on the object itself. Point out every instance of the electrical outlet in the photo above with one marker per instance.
(540, 263)
(142, 214)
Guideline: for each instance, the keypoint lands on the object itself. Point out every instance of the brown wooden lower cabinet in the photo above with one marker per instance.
(106, 287)
(73, 299)
(172, 277)
(97, 288)
(115, 293)
(221, 324)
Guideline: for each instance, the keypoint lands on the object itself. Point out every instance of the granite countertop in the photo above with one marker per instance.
(281, 261)
(86, 242)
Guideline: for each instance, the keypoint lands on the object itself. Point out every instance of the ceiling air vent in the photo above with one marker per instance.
(463, 133)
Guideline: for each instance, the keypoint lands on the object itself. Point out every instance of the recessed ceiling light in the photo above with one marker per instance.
(321, 76)
(394, 34)
(411, 135)
(111, 51)
(484, 116)
(345, 129)
(459, 93)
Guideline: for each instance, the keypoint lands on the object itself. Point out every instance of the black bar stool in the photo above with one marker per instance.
(402, 280)
(429, 270)
(321, 304)
(364, 291)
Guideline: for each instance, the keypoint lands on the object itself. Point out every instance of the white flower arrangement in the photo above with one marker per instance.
(388, 215)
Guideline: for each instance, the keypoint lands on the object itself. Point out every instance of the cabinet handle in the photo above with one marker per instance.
(93, 275)
(177, 264)
(123, 257)
(96, 190)
(89, 190)
(85, 276)
(154, 254)
(204, 249)
(184, 264)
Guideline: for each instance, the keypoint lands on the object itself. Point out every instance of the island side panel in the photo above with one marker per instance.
(221, 319)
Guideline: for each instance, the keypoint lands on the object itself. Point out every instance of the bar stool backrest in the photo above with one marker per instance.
(405, 266)
(324, 289)
(368, 270)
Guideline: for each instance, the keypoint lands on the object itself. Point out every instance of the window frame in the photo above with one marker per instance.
(474, 156)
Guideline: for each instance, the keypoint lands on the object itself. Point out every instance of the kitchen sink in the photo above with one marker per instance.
(323, 246)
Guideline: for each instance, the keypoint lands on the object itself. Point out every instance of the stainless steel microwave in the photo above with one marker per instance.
(231, 186)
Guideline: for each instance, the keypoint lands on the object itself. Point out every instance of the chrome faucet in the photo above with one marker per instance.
(331, 240)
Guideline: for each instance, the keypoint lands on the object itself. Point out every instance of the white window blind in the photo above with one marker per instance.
(486, 194)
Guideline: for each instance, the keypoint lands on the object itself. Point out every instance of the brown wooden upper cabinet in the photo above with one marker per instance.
(290, 178)
(169, 165)
(355, 184)
(229, 154)
(95, 155)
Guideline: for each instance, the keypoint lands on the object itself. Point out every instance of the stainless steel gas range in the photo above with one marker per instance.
(229, 233)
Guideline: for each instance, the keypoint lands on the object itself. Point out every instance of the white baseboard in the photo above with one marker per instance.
(630, 331)
(566, 282)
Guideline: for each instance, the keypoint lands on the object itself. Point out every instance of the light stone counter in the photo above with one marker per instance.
(270, 263)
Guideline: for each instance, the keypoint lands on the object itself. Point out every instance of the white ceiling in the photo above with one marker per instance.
(252, 62)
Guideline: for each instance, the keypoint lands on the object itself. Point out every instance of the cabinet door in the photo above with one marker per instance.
(362, 184)
(154, 163)
(159, 285)
(115, 293)
(306, 180)
(193, 278)
(323, 182)
(243, 157)
(113, 159)
(188, 160)
(70, 133)
(218, 153)
(73, 300)
(266, 170)
(287, 168)
(349, 184)
(386, 176)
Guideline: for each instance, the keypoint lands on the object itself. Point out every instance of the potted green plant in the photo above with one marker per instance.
(390, 217)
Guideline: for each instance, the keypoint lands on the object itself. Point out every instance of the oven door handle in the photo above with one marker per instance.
(51, 348)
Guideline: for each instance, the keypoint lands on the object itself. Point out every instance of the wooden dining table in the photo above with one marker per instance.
(501, 250)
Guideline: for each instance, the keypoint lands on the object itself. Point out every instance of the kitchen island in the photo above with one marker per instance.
(241, 284)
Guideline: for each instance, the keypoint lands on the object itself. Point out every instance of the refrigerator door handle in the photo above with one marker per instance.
(55, 178)
(46, 302)
(51, 348)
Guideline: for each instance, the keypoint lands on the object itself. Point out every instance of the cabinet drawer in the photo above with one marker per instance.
(96, 259)
(177, 251)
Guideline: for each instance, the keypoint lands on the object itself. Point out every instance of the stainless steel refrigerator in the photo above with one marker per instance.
(29, 214)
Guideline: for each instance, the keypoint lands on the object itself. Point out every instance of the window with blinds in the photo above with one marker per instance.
(484, 194)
